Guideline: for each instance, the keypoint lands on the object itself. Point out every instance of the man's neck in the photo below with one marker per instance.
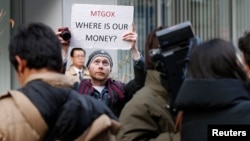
(65, 49)
(28, 72)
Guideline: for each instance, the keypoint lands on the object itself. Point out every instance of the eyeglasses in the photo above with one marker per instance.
(79, 56)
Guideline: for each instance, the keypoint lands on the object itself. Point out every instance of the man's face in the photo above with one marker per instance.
(99, 68)
(78, 59)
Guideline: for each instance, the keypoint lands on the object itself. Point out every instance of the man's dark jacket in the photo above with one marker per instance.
(66, 113)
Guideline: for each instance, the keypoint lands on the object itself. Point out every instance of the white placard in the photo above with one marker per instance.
(100, 26)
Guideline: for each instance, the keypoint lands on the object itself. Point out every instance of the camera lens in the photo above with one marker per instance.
(66, 35)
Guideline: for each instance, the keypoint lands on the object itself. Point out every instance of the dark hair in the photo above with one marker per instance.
(151, 43)
(77, 48)
(244, 46)
(215, 59)
(38, 45)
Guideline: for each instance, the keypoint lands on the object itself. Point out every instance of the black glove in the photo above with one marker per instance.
(77, 115)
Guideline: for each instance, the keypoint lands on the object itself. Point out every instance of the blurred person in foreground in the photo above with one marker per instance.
(45, 107)
(215, 91)
(146, 116)
(112, 92)
(244, 46)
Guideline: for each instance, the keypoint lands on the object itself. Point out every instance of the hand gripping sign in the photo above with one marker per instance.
(100, 26)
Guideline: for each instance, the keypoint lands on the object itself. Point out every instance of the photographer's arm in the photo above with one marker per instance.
(65, 49)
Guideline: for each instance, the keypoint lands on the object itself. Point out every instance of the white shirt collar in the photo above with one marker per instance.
(77, 70)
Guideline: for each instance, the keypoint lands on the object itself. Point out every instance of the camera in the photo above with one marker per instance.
(175, 36)
(171, 57)
(65, 33)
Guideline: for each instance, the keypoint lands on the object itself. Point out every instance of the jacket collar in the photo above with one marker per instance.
(54, 79)
(153, 81)
(73, 71)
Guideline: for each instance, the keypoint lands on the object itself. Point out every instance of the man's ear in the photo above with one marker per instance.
(21, 65)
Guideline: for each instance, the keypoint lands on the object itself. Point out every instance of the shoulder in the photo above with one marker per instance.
(70, 70)
(4, 95)
(116, 82)
(146, 98)
(86, 74)
(84, 83)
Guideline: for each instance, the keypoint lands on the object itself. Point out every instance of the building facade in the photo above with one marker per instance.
(225, 19)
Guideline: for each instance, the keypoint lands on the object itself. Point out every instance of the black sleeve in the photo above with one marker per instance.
(139, 79)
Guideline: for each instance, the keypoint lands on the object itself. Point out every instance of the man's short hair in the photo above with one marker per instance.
(38, 45)
(77, 48)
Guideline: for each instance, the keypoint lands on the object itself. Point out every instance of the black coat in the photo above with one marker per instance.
(209, 102)
(66, 113)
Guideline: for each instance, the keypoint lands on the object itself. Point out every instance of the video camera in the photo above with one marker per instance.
(171, 56)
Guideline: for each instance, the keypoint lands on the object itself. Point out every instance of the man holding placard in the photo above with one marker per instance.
(114, 93)
(103, 27)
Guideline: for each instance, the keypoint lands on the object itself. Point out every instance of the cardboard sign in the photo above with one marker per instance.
(100, 26)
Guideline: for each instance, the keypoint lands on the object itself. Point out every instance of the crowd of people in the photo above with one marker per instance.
(82, 102)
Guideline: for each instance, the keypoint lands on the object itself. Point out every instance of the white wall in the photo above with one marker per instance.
(5, 67)
(46, 11)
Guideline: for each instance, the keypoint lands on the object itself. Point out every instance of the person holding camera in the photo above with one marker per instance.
(45, 107)
(64, 36)
(146, 116)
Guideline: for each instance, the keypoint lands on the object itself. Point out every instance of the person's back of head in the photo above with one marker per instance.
(215, 59)
(152, 42)
(244, 46)
(38, 45)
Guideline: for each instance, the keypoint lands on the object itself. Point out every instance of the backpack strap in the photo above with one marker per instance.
(30, 112)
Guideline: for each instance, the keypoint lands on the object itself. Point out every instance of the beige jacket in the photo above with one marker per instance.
(73, 75)
(20, 120)
(102, 129)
